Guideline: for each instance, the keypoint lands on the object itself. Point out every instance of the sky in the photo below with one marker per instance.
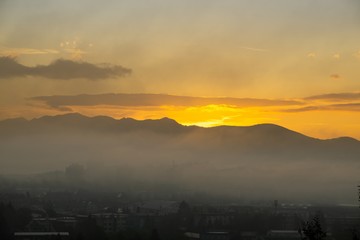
(204, 62)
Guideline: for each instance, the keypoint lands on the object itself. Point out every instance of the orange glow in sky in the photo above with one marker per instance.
(259, 49)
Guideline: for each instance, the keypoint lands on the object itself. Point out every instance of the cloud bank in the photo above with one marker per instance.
(61, 69)
(336, 97)
(348, 101)
(329, 102)
(350, 107)
(136, 100)
(6, 52)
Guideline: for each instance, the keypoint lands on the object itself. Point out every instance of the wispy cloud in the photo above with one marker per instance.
(352, 107)
(350, 96)
(14, 52)
(311, 55)
(302, 109)
(61, 69)
(75, 48)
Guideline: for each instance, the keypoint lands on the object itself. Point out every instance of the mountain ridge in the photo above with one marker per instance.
(77, 119)
(224, 159)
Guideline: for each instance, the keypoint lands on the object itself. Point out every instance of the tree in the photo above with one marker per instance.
(355, 234)
(88, 229)
(312, 230)
(154, 235)
(5, 232)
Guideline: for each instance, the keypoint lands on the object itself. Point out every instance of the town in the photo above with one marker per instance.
(40, 213)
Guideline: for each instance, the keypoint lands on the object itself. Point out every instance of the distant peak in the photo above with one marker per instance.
(345, 139)
(67, 115)
(18, 119)
(163, 124)
(72, 115)
(271, 126)
(168, 120)
(127, 119)
(14, 120)
(161, 120)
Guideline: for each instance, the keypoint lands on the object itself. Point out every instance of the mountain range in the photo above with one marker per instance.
(254, 161)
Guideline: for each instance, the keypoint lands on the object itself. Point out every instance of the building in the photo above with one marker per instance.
(110, 222)
(283, 235)
(41, 235)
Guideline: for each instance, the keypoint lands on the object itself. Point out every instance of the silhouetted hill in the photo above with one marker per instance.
(266, 136)
(77, 122)
(345, 140)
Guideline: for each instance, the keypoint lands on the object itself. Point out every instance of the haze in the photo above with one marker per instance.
(203, 64)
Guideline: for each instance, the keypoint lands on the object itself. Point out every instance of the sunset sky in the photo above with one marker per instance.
(295, 63)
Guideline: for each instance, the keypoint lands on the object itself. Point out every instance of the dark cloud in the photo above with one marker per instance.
(61, 69)
(349, 101)
(133, 100)
(302, 109)
(336, 97)
(346, 107)
(351, 107)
